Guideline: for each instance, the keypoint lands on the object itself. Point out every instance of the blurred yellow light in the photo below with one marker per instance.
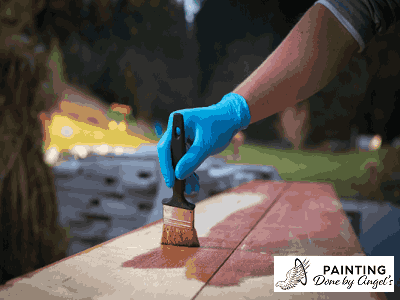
(90, 135)
(375, 143)
(59, 123)
(98, 135)
(112, 125)
(122, 126)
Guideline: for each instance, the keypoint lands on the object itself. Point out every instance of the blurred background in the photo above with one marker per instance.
(160, 56)
(118, 68)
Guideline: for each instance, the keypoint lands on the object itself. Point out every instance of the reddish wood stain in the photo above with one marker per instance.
(270, 188)
(231, 231)
(273, 240)
(224, 237)
(200, 263)
(304, 217)
(309, 206)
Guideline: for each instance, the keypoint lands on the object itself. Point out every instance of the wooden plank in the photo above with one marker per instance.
(307, 220)
(249, 275)
(112, 272)
(239, 233)
(225, 220)
(136, 265)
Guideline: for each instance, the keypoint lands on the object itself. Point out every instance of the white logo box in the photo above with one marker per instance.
(333, 274)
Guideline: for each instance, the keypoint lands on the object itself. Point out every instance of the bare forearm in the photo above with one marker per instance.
(311, 55)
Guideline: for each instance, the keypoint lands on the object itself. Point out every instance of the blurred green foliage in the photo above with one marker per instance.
(339, 169)
(131, 120)
(115, 115)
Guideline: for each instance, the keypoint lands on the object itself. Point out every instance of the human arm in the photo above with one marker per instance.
(313, 53)
(317, 48)
(284, 78)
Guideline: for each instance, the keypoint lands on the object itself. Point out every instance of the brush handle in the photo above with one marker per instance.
(178, 150)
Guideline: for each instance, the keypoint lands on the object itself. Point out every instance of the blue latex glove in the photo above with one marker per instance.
(209, 130)
(158, 129)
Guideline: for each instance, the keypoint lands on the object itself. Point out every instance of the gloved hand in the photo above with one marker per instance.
(208, 131)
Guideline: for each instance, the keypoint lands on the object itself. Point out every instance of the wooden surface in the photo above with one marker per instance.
(240, 232)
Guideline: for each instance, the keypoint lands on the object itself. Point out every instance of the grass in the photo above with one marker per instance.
(341, 169)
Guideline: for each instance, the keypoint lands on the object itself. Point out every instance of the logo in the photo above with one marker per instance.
(358, 273)
(295, 275)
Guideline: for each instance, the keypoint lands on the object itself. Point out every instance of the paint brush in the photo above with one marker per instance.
(178, 213)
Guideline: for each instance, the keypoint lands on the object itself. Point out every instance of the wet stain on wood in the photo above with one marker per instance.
(200, 263)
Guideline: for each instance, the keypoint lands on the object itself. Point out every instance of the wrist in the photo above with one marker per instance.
(237, 106)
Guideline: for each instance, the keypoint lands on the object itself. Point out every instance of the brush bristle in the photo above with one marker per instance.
(178, 236)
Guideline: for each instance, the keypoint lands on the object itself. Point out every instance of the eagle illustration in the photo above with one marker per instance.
(295, 275)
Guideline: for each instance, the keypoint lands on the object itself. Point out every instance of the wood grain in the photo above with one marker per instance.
(248, 275)
(112, 272)
(308, 219)
(224, 220)
(239, 231)
(135, 264)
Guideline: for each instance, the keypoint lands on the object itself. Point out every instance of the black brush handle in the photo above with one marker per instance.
(178, 150)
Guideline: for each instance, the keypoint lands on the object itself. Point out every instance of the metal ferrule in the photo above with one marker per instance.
(179, 217)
